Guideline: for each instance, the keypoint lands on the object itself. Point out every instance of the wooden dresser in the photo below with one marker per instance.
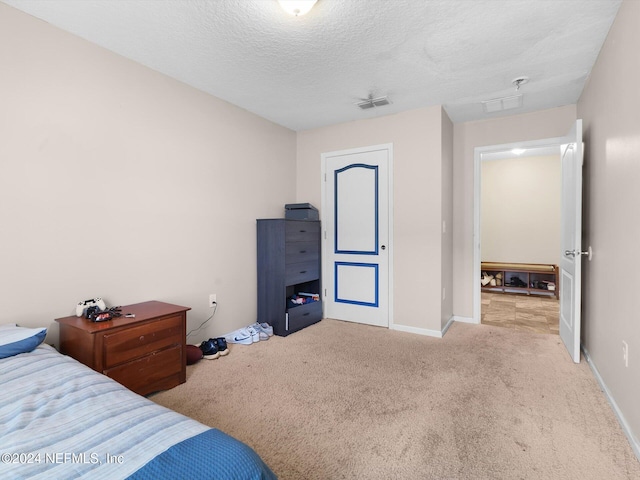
(145, 354)
(288, 263)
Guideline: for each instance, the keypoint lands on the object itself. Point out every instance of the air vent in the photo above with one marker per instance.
(373, 102)
(500, 104)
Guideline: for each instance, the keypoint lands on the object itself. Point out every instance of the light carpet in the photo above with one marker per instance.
(339, 400)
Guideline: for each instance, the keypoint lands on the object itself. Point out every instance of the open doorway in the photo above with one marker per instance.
(518, 229)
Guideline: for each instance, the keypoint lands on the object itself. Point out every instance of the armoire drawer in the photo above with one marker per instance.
(297, 252)
(304, 315)
(302, 231)
(301, 272)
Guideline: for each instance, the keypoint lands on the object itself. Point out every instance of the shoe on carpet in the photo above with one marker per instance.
(268, 329)
(255, 334)
(242, 336)
(209, 349)
(221, 343)
(263, 330)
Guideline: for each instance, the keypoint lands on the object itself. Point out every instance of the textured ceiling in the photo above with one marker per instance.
(306, 72)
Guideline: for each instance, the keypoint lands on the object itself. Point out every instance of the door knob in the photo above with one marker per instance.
(575, 253)
(383, 247)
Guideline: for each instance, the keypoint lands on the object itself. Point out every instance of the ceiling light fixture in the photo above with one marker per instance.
(297, 7)
(517, 82)
(371, 102)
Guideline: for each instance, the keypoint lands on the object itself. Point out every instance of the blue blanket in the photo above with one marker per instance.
(60, 419)
(210, 455)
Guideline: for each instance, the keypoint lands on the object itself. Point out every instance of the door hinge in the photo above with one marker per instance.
(325, 177)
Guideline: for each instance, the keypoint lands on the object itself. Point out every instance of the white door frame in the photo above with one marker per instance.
(326, 268)
(477, 183)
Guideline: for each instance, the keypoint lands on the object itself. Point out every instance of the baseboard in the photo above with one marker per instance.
(635, 445)
(419, 331)
(433, 333)
(447, 325)
(457, 318)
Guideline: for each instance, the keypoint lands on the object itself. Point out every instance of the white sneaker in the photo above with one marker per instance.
(255, 334)
(268, 329)
(242, 336)
(264, 330)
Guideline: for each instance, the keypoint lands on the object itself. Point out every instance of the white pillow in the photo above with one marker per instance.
(15, 340)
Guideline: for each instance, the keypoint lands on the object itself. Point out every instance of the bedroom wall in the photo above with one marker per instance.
(520, 210)
(117, 181)
(417, 201)
(447, 220)
(610, 109)
(550, 123)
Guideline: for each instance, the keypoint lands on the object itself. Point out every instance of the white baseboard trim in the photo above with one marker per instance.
(635, 445)
(432, 333)
(457, 318)
(419, 331)
(447, 325)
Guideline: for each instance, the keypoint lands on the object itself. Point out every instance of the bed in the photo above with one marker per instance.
(60, 419)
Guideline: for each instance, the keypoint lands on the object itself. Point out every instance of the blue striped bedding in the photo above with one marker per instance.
(60, 419)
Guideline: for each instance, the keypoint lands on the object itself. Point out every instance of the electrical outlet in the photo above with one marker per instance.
(212, 300)
(625, 353)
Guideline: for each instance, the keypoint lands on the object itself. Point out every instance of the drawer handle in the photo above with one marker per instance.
(303, 231)
(303, 251)
(141, 338)
(303, 271)
(305, 314)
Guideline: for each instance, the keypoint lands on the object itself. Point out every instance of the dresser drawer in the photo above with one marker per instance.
(297, 252)
(304, 315)
(128, 344)
(301, 272)
(156, 371)
(302, 231)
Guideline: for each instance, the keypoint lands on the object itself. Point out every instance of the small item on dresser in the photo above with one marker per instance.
(96, 315)
(101, 316)
(301, 211)
(81, 307)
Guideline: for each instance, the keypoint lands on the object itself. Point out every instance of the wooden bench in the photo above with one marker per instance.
(523, 278)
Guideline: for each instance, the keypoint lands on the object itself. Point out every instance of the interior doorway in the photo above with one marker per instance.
(518, 206)
(534, 313)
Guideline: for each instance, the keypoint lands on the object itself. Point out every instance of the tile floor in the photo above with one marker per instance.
(522, 312)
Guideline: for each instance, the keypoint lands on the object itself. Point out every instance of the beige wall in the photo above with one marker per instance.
(121, 182)
(550, 123)
(416, 137)
(447, 219)
(520, 210)
(610, 109)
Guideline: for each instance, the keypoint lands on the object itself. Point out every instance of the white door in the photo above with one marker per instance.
(571, 241)
(356, 248)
